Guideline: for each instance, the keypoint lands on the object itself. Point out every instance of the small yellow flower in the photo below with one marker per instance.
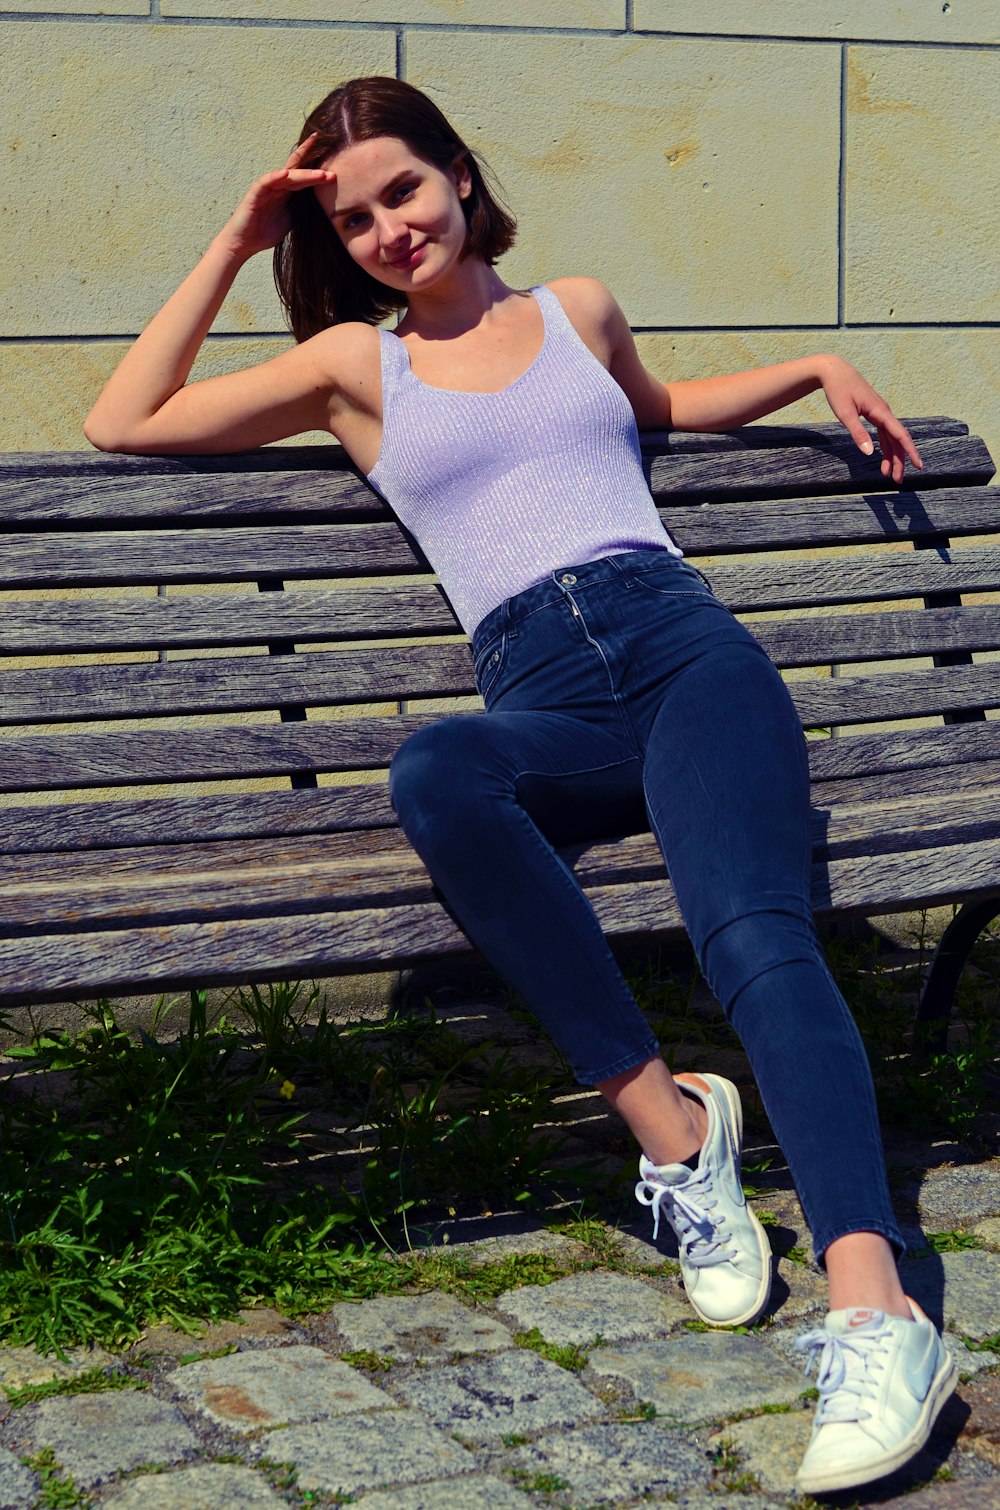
(287, 1089)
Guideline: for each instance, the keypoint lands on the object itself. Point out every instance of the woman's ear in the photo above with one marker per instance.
(462, 175)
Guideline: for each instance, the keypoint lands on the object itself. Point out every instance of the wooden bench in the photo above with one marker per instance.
(210, 661)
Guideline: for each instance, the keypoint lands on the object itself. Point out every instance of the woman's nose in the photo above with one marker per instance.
(392, 229)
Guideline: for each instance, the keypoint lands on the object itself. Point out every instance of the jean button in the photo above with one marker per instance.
(567, 578)
(496, 656)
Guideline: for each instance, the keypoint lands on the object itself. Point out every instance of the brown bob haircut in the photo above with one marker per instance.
(317, 281)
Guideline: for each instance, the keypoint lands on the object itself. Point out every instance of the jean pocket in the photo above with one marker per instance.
(673, 578)
(489, 664)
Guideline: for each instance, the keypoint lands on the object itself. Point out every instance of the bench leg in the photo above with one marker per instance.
(949, 961)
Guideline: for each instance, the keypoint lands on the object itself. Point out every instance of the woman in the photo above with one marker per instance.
(501, 425)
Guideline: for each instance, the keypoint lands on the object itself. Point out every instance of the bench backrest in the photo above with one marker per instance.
(242, 642)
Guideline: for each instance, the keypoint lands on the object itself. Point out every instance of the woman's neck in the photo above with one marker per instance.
(457, 304)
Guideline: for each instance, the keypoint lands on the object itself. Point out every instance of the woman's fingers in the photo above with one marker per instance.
(298, 153)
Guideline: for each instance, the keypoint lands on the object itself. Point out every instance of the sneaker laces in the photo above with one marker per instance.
(843, 1377)
(697, 1231)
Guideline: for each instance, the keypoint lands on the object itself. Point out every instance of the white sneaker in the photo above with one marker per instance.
(882, 1381)
(725, 1256)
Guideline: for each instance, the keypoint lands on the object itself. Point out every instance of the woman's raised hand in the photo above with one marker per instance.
(262, 219)
(852, 399)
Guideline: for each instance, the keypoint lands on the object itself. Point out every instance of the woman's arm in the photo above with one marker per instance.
(722, 403)
(148, 405)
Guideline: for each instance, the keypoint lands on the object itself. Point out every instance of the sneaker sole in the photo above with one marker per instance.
(725, 1091)
(937, 1397)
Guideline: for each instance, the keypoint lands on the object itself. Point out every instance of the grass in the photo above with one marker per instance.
(273, 1155)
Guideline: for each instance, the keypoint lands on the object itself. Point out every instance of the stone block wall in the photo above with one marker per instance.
(753, 180)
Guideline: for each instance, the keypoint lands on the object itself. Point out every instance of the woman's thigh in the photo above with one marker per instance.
(727, 790)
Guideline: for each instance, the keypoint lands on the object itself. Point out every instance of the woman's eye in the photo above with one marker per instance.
(403, 192)
(353, 221)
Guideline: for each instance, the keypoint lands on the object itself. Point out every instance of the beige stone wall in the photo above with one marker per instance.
(766, 181)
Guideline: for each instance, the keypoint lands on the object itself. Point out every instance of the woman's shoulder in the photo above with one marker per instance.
(349, 355)
(592, 310)
(587, 295)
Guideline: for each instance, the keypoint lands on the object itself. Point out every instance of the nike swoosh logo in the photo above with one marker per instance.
(918, 1372)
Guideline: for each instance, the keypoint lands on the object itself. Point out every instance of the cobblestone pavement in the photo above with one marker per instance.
(425, 1402)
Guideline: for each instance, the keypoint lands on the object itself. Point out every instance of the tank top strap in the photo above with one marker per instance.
(557, 321)
(395, 365)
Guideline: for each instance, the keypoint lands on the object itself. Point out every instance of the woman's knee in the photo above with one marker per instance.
(746, 948)
(436, 768)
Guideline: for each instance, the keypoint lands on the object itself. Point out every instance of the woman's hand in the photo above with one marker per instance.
(262, 219)
(852, 399)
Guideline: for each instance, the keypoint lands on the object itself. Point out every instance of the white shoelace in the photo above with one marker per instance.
(693, 1222)
(844, 1374)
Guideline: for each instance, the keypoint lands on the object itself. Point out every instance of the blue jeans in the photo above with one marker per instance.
(621, 695)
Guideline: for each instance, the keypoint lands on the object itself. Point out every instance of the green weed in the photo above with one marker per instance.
(570, 1356)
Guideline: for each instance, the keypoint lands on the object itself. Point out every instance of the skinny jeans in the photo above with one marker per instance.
(622, 696)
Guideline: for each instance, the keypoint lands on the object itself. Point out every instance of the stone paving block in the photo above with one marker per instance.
(275, 1386)
(248, 1326)
(471, 1493)
(701, 1376)
(971, 1283)
(931, 116)
(417, 1327)
(489, 1250)
(18, 1485)
(797, 1290)
(582, 1307)
(94, 1437)
(22, 1367)
(961, 1495)
(367, 1452)
(989, 1230)
(967, 1361)
(770, 1447)
(981, 1431)
(649, 148)
(949, 1199)
(512, 1392)
(604, 1464)
(215, 1486)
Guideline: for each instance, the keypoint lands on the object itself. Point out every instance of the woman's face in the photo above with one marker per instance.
(398, 215)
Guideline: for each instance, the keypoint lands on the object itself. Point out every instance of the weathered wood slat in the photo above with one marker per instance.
(766, 437)
(850, 757)
(142, 556)
(411, 609)
(146, 820)
(233, 683)
(842, 638)
(132, 557)
(825, 469)
(190, 622)
(41, 762)
(772, 583)
(229, 886)
(322, 678)
(47, 967)
(109, 495)
(908, 694)
(889, 788)
(60, 762)
(16, 464)
(720, 528)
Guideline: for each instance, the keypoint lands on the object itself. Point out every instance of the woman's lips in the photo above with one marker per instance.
(409, 259)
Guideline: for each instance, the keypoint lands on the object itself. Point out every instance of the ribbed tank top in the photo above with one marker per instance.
(500, 489)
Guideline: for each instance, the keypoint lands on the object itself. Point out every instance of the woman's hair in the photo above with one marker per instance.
(318, 282)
